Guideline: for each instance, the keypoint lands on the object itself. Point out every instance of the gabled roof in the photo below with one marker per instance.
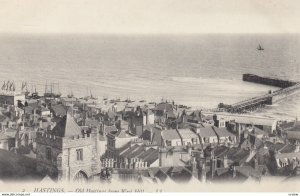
(109, 129)
(288, 148)
(66, 127)
(293, 134)
(146, 153)
(170, 134)
(207, 132)
(187, 134)
(121, 134)
(4, 136)
(248, 119)
(59, 110)
(11, 132)
(237, 155)
(152, 158)
(130, 150)
(161, 175)
(3, 118)
(287, 125)
(164, 106)
(137, 152)
(92, 123)
(223, 132)
(28, 109)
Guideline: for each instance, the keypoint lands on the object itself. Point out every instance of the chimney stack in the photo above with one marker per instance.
(234, 172)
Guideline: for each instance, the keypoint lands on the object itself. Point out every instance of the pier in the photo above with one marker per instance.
(288, 88)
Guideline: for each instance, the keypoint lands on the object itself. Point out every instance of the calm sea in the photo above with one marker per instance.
(197, 70)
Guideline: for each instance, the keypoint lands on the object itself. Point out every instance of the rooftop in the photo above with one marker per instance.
(170, 134)
(146, 153)
(66, 127)
(3, 136)
(130, 150)
(248, 119)
(223, 132)
(187, 134)
(207, 132)
(293, 134)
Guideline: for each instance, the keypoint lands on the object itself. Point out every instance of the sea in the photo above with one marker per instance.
(200, 71)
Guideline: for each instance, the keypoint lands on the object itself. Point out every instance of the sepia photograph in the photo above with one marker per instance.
(145, 96)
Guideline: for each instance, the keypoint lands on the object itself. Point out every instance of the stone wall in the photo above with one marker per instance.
(64, 164)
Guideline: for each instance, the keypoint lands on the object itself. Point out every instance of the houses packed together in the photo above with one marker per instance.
(86, 139)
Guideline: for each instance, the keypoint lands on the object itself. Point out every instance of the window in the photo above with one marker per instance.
(59, 161)
(169, 143)
(194, 140)
(79, 153)
(48, 154)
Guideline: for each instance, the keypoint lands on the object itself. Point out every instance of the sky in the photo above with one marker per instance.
(149, 16)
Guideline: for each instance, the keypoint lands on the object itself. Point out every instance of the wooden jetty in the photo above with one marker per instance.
(288, 88)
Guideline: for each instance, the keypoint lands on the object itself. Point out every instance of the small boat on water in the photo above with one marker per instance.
(260, 47)
(71, 95)
(52, 91)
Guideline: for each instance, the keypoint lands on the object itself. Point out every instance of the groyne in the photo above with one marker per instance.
(268, 81)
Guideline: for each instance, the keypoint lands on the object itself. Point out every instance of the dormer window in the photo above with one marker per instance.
(194, 140)
(168, 143)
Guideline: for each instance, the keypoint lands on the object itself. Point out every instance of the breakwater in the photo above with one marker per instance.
(268, 81)
(288, 88)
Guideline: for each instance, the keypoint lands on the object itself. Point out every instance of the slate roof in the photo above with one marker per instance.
(207, 132)
(293, 134)
(92, 123)
(126, 153)
(287, 148)
(170, 134)
(66, 127)
(109, 129)
(137, 152)
(3, 118)
(4, 136)
(220, 151)
(164, 106)
(287, 125)
(121, 134)
(179, 174)
(59, 110)
(237, 155)
(288, 155)
(161, 175)
(28, 109)
(248, 119)
(222, 132)
(152, 158)
(146, 153)
(187, 134)
(11, 132)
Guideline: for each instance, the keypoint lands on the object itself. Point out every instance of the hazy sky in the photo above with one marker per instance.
(149, 16)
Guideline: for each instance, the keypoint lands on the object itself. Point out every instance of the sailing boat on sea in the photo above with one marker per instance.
(260, 47)
(71, 95)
